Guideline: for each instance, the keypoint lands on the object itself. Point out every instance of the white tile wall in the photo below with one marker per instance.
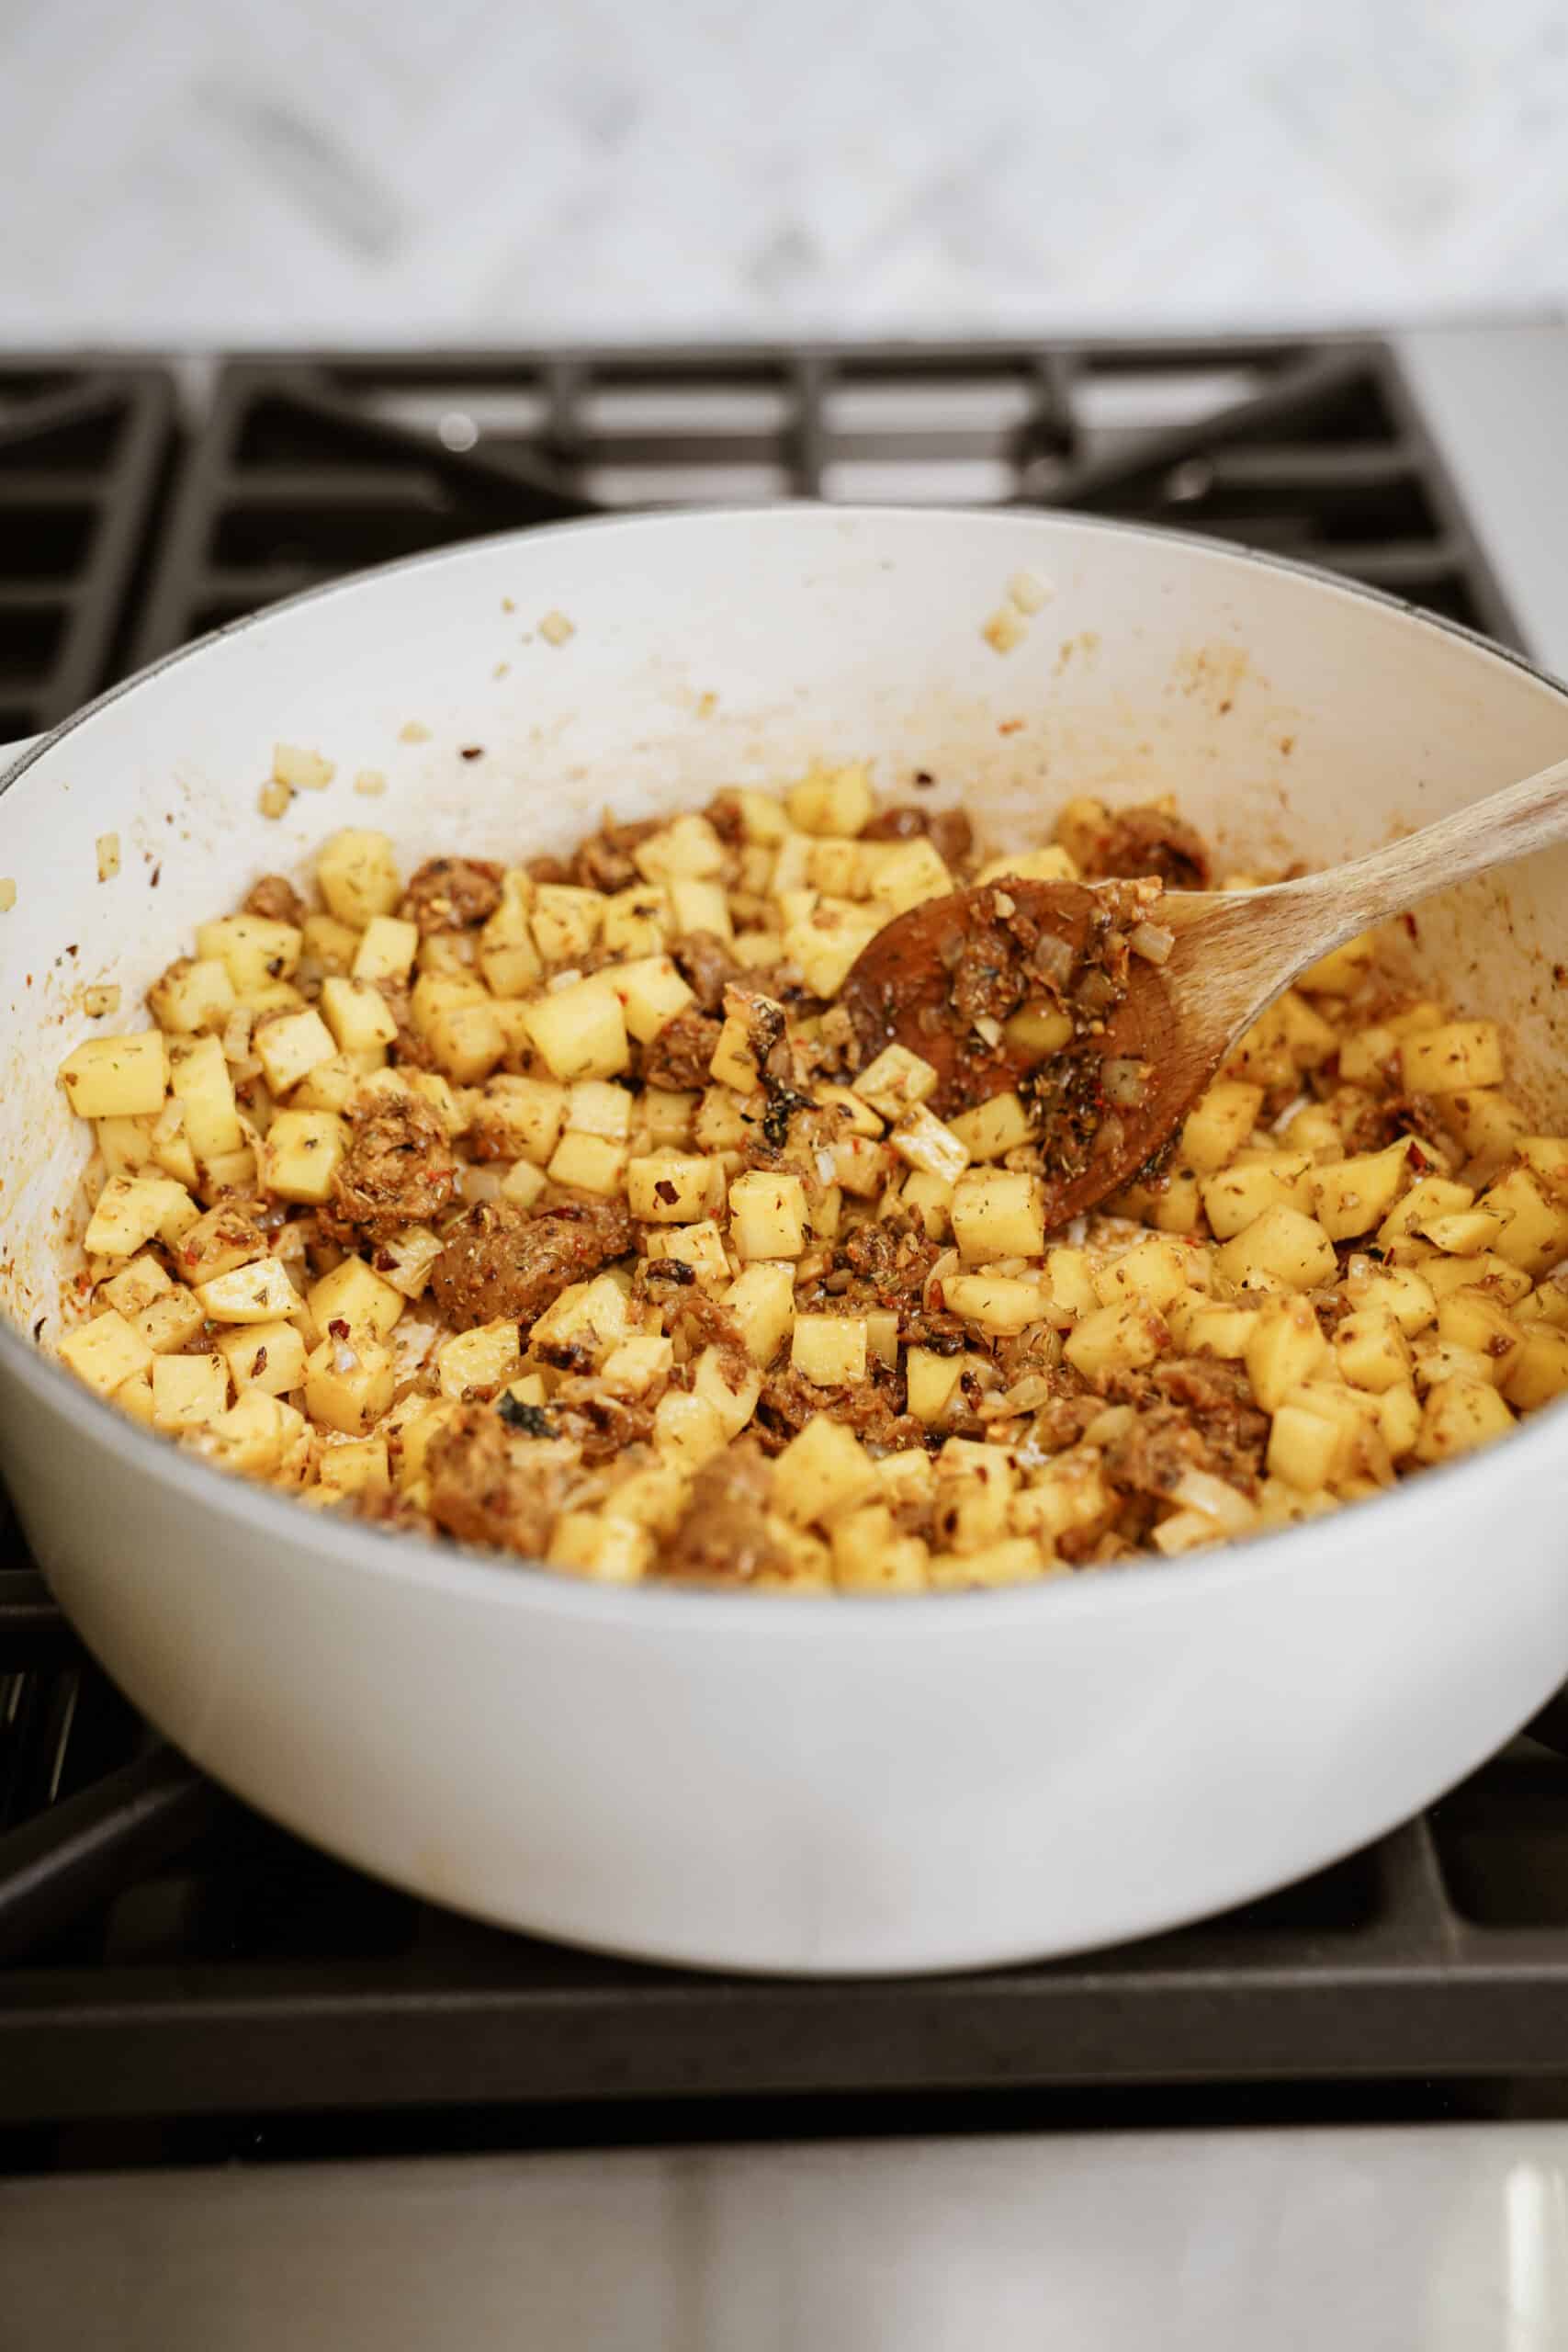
(403, 169)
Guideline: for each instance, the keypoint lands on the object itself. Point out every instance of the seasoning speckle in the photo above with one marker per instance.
(413, 731)
(1004, 631)
(370, 782)
(472, 751)
(274, 799)
(554, 629)
(7, 894)
(108, 856)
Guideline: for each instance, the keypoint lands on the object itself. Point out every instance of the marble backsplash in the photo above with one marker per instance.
(380, 171)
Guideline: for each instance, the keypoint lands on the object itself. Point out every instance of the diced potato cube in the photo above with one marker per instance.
(226, 1172)
(1399, 1419)
(252, 949)
(911, 872)
(822, 1471)
(135, 1287)
(830, 1350)
(998, 1304)
(259, 1292)
(134, 1397)
(188, 1392)
(1284, 1348)
(1371, 1056)
(972, 1496)
(355, 1296)
(687, 1429)
(519, 1118)
(596, 1316)
(592, 1543)
(1016, 1560)
(1486, 1122)
(767, 1215)
(290, 1046)
(300, 1153)
(1468, 1317)
(1264, 1056)
(666, 1115)
(595, 1107)
(332, 1085)
(676, 1188)
(929, 1144)
(386, 949)
(328, 944)
(1211, 1327)
(1403, 1290)
(130, 1211)
(1052, 864)
(687, 845)
(198, 1076)
(117, 1078)
(1238, 1196)
(931, 1381)
(732, 1389)
(1302, 1448)
(722, 1123)
(1150, 1273)
(997, 1213)
(1460, 1056)
(1539, 1370)
(928, 1199)
(636, 921)
(356, 874)
(1458, 1416)
(1115, 1338)
(1316, 1130)
(1467, 1233)
(1311, 1038)
(1341, 972)
(733, 1063)
(696, 905)
(826, 942)
(1069, 1279)
(1281, 1246)
(126, 1145)
(1371, 1350)
(895, 1082)
(632, 1368)
(467, 1040)
(994, 1127)
(565, 922)
(359, 1015)
(1428, 1197)
(761, 1304)
(268, 1356)
(195, 993)
(1219, 1124)
(478, 1362)
(349, 1384)
(651, 992)
(860, 1166)
(590, 1164)
(1534, 1234)
(832, 800)
(699, 1245)
(105, 1353)
(580, 1031)
(868, 1557)
(169, 1321)
(1351, 1196)
(357, 1466)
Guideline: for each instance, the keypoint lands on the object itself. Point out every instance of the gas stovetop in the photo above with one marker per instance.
(178, 1978)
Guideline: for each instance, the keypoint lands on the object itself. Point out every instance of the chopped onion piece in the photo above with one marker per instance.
(1125, 1081)
(1151, 942)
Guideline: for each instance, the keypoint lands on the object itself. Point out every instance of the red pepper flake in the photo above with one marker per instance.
(666, 1192)
(1411, 929)
(338, 1328)
(260, 1364)
(472, 751)
(157, 873)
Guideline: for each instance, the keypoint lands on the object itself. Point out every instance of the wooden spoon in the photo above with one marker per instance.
(1230, 955)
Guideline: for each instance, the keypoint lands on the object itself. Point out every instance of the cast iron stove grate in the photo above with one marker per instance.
(166, 1954)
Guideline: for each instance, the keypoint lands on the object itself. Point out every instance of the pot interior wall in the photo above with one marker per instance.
(1292, 717)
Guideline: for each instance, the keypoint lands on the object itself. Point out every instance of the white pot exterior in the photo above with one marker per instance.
(812, 1785)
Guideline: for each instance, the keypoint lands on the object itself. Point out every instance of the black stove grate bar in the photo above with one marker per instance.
(79, 1850)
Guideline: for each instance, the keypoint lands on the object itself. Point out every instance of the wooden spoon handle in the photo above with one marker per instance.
(1349, 899)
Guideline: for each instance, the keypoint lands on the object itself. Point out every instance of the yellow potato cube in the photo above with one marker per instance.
(126, 1145)
(195, 993)
(252, 949)
(636, 921)
(997, 1213)
(928, 1199)
(998, 1304)
(135, 1287)
(826, 942)
(169, 1321)
(105, 1353)
(929, 1145)
(1309, 1038)
(1399, 1420)
(1202, 1326)
(869, 1558)
(1460, 1415)
(1316, 1130)
(895, 1082)
(651, 992)
(332, 1085)
(130, 1211)
(289, 1047)
(634, 1367)
(467, 1040)
(1486, 1122)
(411, 1427)
(519, 1118)
(580, 1031)
(259, 1435)
(722, 1123)
(1302, 1448)
(268, 1356)
(830, 1350)
(591, 1543)
(687, 1429)
(910, 873)
(1351, 1196)
(831, 801)
(198, 1076)
(386, 949)
(356, 874)
(1115, 1338)
(1150, 1273)
(187, 1392)
(730, 1390)
(475, 1362)
(665, 1116)
(1460, 1056)
(1053, 864)
(1219, 1124)
(1341, 972)
(1238, 1196)
(117, 1078)
(688, 845)
(329, 945)
(699, 1245)
(1069, 1281)
(1370, 1056)
(1284, 1348)
(300, 1153)
(434, 993)
(226, 1172)
(134, 1396)
(596, 1316)
(931, 1381)
(1428, 1197)
(1534, 1233)
(355, 1295)
(767, 1215)
(565, 922)
(675, 1188)
(357, 1466)
(1371, 1350)
(1469, 1317)
(1537, 1371)
(258, 1293)
(761, 1305)
(1281, 1246)
(822, 1471)
(994, 1127)
(225, 1237)
(1016, 1560)
(1468, 1233)
(697, 905)
(357, 1014)
(590, 1164)
(733, 1063)
(1264, 1056)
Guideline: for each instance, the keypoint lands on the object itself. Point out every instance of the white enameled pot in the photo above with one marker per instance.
(814, 1785)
